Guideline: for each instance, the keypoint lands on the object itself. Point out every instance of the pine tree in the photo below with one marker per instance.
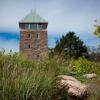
(71, 45)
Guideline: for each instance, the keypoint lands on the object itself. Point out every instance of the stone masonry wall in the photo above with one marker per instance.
(38, 46)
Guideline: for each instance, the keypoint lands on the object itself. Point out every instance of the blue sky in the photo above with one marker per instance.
(62, 15)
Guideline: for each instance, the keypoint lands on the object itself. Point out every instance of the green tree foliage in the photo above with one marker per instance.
(97, 29)
(71, 45)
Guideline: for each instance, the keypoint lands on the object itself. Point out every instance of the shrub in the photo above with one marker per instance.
(82, 65)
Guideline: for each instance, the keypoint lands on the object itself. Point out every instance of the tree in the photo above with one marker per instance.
(97, 29)
(71, 45)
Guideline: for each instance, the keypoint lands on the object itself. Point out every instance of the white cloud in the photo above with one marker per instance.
(62, 15)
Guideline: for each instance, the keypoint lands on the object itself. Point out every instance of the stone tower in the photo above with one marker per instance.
(33, 36)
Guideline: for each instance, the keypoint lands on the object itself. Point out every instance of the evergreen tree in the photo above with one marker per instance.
(71, 45)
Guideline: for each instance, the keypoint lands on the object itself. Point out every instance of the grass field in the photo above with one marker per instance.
(24, 79)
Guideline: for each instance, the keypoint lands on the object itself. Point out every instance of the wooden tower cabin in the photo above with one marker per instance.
(33, 36)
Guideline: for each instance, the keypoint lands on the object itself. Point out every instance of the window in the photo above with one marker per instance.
(29, 46)
(31, 26)
(34, 26)
(39, 26)
(44, 26)
(28, 36)
(38, 37)
(27, 26)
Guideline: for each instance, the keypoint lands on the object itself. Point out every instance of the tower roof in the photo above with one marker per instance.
(33, 17)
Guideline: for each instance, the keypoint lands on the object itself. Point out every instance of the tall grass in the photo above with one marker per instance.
(24, 79)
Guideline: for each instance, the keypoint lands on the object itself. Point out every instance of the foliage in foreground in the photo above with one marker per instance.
(23, 79)
(83, 65)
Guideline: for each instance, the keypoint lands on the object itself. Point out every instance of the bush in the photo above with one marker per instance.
(82, 65)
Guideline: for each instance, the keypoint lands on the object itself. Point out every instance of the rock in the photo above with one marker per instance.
(90, 76)
(72, 86)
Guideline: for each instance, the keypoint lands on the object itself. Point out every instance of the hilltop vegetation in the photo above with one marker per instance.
(71, 45)
(24, 79)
